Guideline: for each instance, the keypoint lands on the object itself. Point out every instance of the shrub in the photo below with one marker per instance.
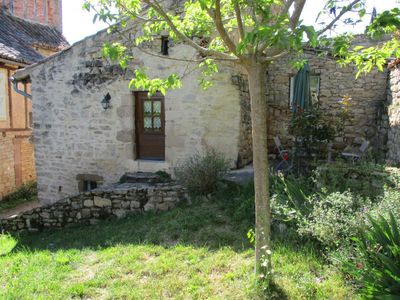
(286, 196)
(365, 179)
(200, 174)
(312, 131)
(334, 218)
(163, 176)
(389, 202)
(376, 265)
(289, 202)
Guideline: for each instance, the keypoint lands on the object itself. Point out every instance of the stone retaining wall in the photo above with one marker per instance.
(115, 200)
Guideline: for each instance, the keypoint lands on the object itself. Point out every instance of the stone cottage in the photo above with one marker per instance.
(79, 145)
(27, 36)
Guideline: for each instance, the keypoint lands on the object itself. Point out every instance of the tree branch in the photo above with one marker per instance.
(183, 37)
(184, 59)
(274, 57)
(239, 20)
(298, 9)
(288, 4)
(221, 29)
(344, 10)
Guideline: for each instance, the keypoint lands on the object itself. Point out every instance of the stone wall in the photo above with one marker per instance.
(368, 95)
(393, 143)
(116, 200)
(74, 135)
(245, 155)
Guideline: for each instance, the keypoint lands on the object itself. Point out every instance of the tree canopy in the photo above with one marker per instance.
(236, 30)
(250, 34)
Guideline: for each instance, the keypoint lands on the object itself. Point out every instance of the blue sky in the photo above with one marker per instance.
(78, 23)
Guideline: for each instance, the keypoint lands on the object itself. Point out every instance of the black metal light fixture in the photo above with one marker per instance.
(105, 103)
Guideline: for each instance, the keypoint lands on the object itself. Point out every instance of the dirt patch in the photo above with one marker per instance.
(19, 209)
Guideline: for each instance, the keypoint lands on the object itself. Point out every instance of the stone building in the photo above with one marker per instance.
(79, 145)
(330, 83)
(22, 43)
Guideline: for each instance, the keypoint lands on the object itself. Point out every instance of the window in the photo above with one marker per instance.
(89, 185)
(3, 95)
(88, 182)
(314, 87)
(152, 115)
(164, 45)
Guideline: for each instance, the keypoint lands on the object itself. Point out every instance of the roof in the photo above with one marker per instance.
(23, 74)
(18, 39)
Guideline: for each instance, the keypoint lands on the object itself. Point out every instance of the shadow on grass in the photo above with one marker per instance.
(222, 221)
(203, 223)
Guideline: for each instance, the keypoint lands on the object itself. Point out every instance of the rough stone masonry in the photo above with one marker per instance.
(116, 200)
(393, 103)
(73, 135)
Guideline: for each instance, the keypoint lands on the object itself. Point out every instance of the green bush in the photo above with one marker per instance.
(365, 179)
(200, 174)
(389, 202)
(282, 206)
(334, 218)
(331, 218)
(312, 131)
(376, 265)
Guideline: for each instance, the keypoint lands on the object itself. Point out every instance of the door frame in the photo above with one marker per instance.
(139, 125)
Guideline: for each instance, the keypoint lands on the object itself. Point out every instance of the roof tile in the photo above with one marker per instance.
(18, 38)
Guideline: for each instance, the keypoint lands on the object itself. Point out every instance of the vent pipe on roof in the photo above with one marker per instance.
(17, 90)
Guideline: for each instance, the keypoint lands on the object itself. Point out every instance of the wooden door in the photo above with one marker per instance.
(150, 126)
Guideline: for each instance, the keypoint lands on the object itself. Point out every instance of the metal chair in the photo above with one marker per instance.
(283, 154)
(355, 156)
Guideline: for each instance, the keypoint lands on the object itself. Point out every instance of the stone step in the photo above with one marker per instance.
(140, 177)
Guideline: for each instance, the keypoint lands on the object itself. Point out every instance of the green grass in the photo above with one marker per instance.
(192, 252)
(26, 193)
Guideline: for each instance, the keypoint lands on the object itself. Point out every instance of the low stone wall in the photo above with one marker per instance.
(115, 200)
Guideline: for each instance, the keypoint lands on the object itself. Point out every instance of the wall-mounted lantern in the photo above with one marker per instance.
(105, 103)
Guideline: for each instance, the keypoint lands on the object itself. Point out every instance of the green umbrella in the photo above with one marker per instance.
(301, 91)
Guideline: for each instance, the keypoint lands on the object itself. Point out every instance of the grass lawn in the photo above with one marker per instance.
(192, 252)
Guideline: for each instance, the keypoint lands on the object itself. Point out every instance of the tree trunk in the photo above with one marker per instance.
(259, 114)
